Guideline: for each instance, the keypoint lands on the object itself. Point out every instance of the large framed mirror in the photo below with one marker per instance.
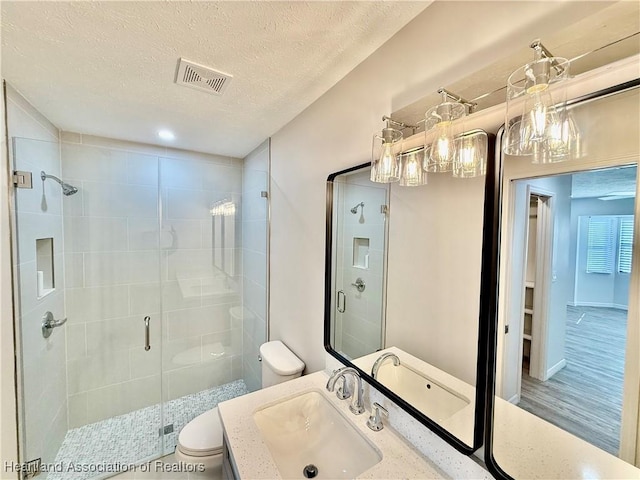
(566, 339)
(406, 268)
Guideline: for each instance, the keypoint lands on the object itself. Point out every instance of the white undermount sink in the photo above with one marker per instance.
(307, 431)
(430, 397)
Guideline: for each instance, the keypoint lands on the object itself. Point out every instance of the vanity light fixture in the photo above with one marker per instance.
(385, 152)
(411, 172)
(471, 158)
(537, 120)
(440, 153)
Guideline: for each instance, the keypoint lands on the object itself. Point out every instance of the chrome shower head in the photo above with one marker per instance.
(67, 189)
(354, 210)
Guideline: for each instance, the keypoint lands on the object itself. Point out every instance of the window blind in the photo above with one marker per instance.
(625, 244)
(600, 244)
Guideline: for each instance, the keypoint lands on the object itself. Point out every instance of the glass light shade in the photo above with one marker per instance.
(536, 97)
(440, 145)
(471, 159)
(411, 172)
(385, 166)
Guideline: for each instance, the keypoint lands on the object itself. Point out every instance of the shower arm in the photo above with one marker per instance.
(44, 176)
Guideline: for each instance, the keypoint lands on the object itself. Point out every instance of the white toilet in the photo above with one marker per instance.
(200, 441)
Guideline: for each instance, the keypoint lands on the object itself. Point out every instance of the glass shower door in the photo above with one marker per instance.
(88, 262)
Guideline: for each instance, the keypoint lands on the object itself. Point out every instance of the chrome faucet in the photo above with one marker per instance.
(380, 361)
(357, 404)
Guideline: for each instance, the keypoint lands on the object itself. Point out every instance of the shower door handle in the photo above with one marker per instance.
(147, 346)
(342, 308)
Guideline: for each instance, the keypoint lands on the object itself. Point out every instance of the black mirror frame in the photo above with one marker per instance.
(488, 284)
(493, 294)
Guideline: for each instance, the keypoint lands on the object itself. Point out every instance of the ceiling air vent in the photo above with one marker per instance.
(196, 76)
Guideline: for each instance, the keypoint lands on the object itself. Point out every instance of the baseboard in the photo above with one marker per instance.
(515, 399)
(556, 368)
(600, 304)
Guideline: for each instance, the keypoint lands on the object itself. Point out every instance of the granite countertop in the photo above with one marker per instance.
(252, 457)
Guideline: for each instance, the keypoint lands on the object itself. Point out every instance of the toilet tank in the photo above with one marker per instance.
(279, 364)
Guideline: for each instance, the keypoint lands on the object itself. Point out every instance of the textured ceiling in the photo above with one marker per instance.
(601, 183)
(107, 68)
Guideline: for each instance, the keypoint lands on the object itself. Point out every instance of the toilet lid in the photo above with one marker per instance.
(202, 436)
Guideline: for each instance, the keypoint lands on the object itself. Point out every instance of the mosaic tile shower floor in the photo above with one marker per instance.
(134, 437)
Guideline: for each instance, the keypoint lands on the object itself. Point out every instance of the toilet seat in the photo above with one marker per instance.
(202, 436)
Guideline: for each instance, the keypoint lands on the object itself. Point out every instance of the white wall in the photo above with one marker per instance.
(435, 255)
(38, 212)
(335, 133)
(255, 217)
(596, 288)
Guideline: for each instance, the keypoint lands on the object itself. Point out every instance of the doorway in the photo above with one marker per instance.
(575, 232)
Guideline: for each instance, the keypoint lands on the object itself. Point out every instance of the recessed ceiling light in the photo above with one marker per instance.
(166, 135)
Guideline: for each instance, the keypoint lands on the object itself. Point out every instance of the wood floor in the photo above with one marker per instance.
(585, 397)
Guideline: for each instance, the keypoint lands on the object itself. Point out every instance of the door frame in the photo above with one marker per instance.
(630, 430)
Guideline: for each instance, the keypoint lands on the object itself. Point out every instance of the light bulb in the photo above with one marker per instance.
(443, 149)
(470, 160)
(387, 160)
(412, 174)
(384, 161)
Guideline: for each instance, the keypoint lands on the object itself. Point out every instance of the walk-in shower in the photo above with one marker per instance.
(133, 236)
(67, 189)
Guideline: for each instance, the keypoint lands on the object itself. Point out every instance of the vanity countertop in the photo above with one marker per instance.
(526, 446)
(252, 457)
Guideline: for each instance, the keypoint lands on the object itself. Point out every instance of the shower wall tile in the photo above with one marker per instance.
(119, 200)
(91, 234)
(253, 236)
(32, 226)
(93, 164)
(118, 268)
(189, 204)
(126, 262)
(76, 341)
(182, 173)
(120, 334)
(143, 233)
(122, 398)
(218, 178)
(77, 410)
(145, 363)
(254, 267)
(142, 169)
(97, 370)
(145, 298)
(97, 303)
(74, 270)
(182, 234)
(195, 322)
(196, 378)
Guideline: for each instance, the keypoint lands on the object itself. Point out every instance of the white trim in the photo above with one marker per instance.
(556, 368)
(515, 399)
(600, 304)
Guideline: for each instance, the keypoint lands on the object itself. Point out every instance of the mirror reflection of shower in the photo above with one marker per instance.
(67, 189)
(354, 210)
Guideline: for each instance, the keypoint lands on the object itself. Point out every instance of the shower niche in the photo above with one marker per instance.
(44, 267)
(361, 253)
